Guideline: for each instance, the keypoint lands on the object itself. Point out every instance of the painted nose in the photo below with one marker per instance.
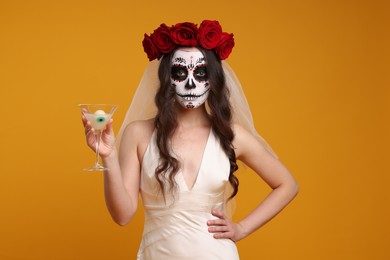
(190, 84)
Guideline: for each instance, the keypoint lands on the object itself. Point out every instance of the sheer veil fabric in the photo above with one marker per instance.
(143, 107)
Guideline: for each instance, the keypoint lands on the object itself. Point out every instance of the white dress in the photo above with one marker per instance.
(177, 228)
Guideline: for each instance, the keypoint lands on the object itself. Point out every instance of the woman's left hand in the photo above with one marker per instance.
(223, 227)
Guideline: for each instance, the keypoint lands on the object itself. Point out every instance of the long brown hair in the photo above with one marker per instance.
(166, 122)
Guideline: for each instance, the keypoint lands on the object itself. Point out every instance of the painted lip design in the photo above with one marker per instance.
(191, 96)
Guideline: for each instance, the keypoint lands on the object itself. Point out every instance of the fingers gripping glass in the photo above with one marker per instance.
(98, 115)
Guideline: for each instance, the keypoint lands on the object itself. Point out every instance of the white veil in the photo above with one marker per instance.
(143, 107)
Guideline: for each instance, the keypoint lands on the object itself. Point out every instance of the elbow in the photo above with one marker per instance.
(294, 188)
(123, 218)
(290, 188)
(123, 221)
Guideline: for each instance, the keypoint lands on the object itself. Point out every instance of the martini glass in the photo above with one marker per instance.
(99, 115)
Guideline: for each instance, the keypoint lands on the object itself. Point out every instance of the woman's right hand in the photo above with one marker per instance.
(107, 143)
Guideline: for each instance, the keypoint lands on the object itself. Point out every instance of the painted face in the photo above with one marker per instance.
(189, 77)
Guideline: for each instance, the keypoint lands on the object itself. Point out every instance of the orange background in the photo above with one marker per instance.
(316, 74)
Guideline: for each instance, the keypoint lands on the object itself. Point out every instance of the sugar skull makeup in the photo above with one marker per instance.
(189, 78)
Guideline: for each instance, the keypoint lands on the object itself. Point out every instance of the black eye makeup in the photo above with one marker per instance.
(179, 72)
(200, 73)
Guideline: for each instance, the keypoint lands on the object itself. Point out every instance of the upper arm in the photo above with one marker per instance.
(253, 153)
(133, 139)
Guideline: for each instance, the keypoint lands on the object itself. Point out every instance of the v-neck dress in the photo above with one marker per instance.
(177, 228)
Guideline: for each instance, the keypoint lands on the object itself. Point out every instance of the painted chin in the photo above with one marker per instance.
(191, 104)
(192, 101)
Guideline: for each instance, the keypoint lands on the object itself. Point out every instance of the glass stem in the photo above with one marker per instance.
(98, 137)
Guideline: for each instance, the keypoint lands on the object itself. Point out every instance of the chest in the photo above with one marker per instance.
(204, 170)
(190, 148)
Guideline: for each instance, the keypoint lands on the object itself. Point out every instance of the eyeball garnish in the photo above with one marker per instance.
(99, 112)
(100, 119)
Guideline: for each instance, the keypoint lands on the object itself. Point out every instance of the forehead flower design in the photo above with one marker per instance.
(209, 35)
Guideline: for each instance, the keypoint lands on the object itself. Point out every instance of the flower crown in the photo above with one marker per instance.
(209, 36)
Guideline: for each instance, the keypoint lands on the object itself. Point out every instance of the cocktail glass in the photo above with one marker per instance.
(99, 115)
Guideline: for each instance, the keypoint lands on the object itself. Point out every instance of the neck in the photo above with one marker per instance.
(192, 117)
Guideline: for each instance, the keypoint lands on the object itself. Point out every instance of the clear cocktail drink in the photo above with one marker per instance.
(98, 119)
(98, 115)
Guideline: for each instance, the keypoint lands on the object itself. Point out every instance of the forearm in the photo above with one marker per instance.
(268, 208)
(118, 201)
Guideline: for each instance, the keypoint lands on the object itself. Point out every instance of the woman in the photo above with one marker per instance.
(182, 161)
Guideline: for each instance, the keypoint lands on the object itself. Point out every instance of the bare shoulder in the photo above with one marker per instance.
(135, 139)
(239, 130)
(241, 139)
(241, 135)
(139, 129)
(246, 143)
(137, 135)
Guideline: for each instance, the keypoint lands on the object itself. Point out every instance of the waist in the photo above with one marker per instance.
(155, 204)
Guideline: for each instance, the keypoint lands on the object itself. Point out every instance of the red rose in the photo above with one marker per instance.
(185, 34)
(209, 34)
(162, 40)
(225, 45)
(150, 48)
